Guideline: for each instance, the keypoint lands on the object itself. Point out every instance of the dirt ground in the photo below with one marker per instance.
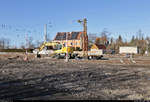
(52, 79)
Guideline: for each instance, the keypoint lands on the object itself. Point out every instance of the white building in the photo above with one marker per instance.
(129, 49)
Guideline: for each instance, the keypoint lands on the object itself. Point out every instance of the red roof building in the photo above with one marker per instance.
(74, 39)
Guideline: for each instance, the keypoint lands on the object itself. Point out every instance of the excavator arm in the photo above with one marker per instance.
(47, 44)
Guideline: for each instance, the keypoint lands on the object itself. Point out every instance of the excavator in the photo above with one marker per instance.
(54, 49)
(47, 44)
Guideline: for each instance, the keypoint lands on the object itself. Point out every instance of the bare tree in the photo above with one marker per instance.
(133, 41)
(38, 43)
(8, 42)
(119, 43)
(111, 40)
(4, 43)
(30, 43)
(22, 46)
(140, 34)
(141, 42)
(92, 37)
(104, 38)
(147, 38)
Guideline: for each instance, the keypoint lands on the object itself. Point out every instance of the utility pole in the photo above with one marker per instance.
(27, 43)
(84, 38)
(67, 59)
(147, 43)
(45, 33)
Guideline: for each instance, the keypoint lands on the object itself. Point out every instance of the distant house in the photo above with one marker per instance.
(74, 39)
(102, 40)
(98, 46)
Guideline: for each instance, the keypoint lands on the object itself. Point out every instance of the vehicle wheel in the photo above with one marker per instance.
(53, 56)
(99, 57)
(58, 56)
(77, 58)
(90, 58)
(74, 56)
(38, 56)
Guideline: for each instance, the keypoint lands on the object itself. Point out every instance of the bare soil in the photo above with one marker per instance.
(52, 79)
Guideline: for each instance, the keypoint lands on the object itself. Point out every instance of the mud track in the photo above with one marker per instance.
(55, 79)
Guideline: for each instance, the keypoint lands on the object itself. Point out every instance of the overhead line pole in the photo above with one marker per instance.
(84, 38)
(45, 33)
(67, 59)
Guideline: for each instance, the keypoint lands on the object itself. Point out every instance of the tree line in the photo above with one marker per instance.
(100, 38)
(113, 44)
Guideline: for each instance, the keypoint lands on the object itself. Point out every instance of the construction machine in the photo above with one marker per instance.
(54, 49)
(46, 48)
(92, 54)
(62, 51)
(48, 44)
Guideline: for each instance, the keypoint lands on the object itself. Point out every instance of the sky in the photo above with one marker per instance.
(19, 18)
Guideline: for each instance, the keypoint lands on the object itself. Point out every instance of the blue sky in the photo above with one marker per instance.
(124, 17)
